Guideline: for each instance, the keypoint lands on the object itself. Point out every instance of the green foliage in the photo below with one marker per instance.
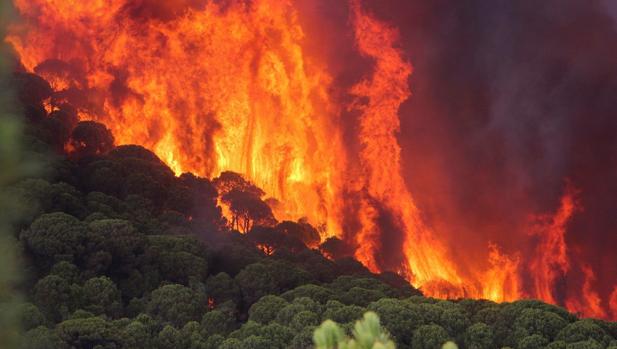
(429, 337)
(55, 237)
(256, 281)
(31, 317)
(221, 287)
(266, 309)
(217, 322)
(367, 334)
(42, 338)
(56, 297)
(534, 341)
(479, 336)
(101, 296)
(176, 304)
(583, 330)
(89, 333)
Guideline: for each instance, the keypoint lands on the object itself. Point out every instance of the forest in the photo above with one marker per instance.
(115, 251)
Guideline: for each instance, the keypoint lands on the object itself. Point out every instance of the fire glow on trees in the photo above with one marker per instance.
(214, 86)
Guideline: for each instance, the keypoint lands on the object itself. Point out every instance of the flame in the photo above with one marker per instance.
(385, 91)
(590, 304)
(612, 302)
(502, 281)
(266, 249)
(214, 86)
(551, 258)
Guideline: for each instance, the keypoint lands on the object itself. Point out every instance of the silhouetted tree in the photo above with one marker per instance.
(91, 138)
(334, 248)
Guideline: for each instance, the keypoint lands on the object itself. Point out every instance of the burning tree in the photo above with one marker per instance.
(244, 201)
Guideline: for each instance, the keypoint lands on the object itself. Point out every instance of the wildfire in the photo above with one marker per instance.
(231, 86)
(214, 88)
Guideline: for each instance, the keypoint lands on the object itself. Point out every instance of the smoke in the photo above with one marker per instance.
(510, 100)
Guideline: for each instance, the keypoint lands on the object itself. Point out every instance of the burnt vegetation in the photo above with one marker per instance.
(121, 253)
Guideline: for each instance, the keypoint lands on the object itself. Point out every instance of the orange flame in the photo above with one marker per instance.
(385, 91)
(612, 302)
(590, 304)
(551, 259)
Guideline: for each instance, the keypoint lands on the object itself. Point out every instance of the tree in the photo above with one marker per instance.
(583, 330)
(176, 305)
(361, 296)
(367, 334)
(343, 314)
(136, 335)
(534, 341)
(41, 338)
(178, 259)
(93, 332)
(257, 342)
(537, 321)
(256, 281)
(56, 297)
(266, 309)
(479, 336)
(66, 270)
(119, 241)
(303, 320)
(91, 138)
(244, 200)
(318, 293)
(301, 231)
(286, 314)
(216, 322)
(454, 320)
(429, 337)
(54, 237)
(32, 90)
(221, 287)
(102, 297)
(588, 344)
(287, 275)
(267, 239)
(229, 181)
(398, 317)
(170, 338)
(231, 343)
(334, 248)
(199, 199)
(31, 317)
(280, 336)
(248, 210)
